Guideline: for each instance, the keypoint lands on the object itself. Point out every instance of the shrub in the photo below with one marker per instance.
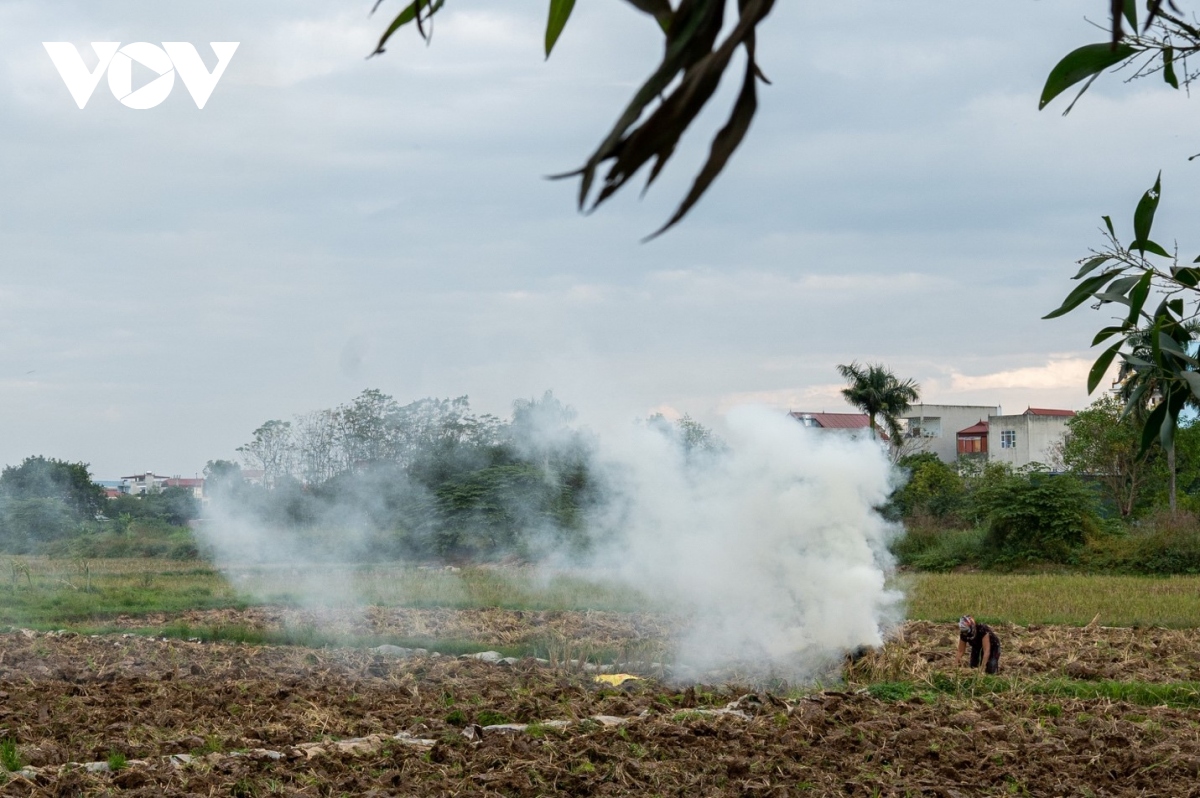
(1032, 517)
(10, 757)
(1158, 544)
(932, 488)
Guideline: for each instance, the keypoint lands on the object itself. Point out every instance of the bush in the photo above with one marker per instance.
(26, 525)
(129, 538)
(1036, 517)
(1159, 544)
(929, 546)
(932, 488)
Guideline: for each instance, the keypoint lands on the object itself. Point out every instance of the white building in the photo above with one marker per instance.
(1028, 438)
(939, 425)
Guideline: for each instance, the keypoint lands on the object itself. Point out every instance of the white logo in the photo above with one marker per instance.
(164, 61)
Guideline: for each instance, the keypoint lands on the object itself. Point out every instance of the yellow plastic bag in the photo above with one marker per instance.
(615, 678)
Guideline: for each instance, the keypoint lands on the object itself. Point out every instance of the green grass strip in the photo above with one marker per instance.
(1180, 695)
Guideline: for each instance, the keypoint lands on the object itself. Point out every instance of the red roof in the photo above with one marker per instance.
(975, 429)
(835, 420)
(1042, 411)
(185, 483)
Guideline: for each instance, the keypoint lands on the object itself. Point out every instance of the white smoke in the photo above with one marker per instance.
(769, 547)
(772, 548)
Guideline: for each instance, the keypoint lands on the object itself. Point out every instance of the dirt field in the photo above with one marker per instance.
(221, 719)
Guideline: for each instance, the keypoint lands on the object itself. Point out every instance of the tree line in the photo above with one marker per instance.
(428, 479)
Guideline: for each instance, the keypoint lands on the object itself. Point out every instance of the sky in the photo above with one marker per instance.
(171, 278)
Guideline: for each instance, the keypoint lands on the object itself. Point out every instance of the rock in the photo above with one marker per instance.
(505, 728)
(96, 767)
(609, 720)
(388, 650)
(509, 661)
(486, 656)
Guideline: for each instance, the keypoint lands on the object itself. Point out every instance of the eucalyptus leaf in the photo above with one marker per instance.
(1080, 64)
(1143, 217)
(1092, 264)
(560, 12)
(1082, 293)
(1147, 245)
(1100, 367)
(1169, 68)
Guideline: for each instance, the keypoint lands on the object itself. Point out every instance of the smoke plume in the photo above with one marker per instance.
(764, 538)
(771, 547)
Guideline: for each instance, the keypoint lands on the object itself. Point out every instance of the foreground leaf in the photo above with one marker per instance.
(1089, 60)
(560, 12)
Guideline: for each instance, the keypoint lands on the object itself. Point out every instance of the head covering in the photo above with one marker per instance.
(966, 627)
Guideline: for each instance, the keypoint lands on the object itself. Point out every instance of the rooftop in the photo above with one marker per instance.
(834, 420)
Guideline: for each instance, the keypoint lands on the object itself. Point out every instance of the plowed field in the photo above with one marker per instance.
(145, 716)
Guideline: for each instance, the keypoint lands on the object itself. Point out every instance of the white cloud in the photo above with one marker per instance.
(1065, 372)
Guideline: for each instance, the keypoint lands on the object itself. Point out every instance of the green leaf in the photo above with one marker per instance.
(1147, 245)
(1137, 297)
(1188, 276)
(1169, 68)
(1154, 423)
(1091, 263)
(1143, 217)
(560, 12)
(1089, 60)
(1131, 14)
(1135, 398)
(1123, 286)
(1108, 223)
(659, 9)
(1169, 344)
(403, 18)
(1193, 381)
(1100, 367)
(1109, 332)
(1082, 293)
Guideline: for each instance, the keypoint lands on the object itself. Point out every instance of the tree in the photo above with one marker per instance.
(1156, 348)
(1104, 443)
(42, 478)
(1166, 39)
(683, 83)
(367, 428)
(933, 488)
(876, 391)
(1161, 372)
(271, 450)
(222, 478)
(318, 454)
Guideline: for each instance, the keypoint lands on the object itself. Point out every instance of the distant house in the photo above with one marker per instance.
(973, 441)
(938, 426)
(149, 482)
(839, 421)
(851, 424)
(1027, 438)
(138, 484)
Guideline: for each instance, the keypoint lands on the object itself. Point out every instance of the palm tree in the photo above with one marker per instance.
(876, 391)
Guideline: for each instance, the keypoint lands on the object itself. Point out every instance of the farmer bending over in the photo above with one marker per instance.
(985, 646)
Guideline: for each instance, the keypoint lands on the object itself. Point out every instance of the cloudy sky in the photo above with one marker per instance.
(173, 277)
